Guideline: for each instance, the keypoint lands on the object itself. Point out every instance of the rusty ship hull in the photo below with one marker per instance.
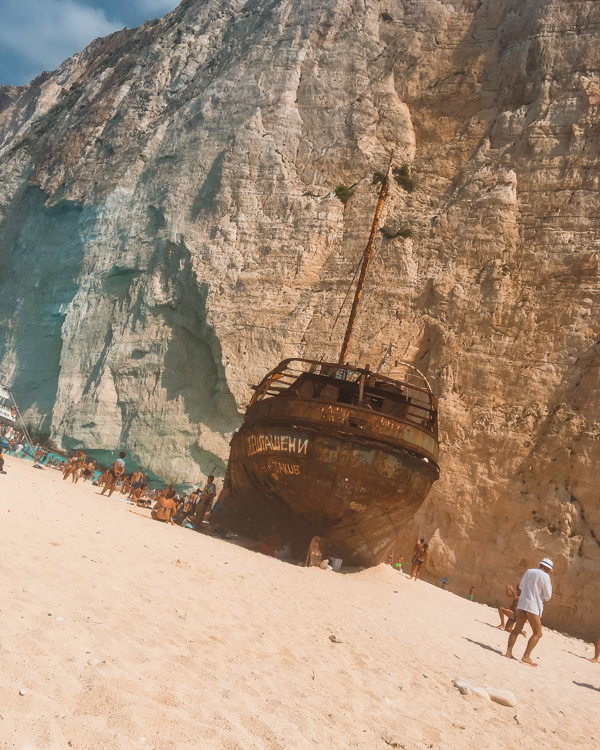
(309, 465)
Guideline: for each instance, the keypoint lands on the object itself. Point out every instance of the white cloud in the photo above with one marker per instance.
(46, 32)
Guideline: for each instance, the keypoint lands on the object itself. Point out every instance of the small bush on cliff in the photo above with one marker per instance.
(386, 18)
(343, 193)
(378, 178)
(403, 178)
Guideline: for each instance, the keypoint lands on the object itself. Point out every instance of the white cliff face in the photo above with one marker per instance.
(169, 232)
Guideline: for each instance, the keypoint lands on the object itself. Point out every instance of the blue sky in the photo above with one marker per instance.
(37, 35)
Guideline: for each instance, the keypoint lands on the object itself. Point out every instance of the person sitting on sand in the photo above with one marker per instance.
(187, 508)
(204, 502)
(165, 507)
(596, 657)
(114, 474)
(535, 589)
(1, 463)
(511, 612)
(136, 496)
(270, 544)
(419, 559)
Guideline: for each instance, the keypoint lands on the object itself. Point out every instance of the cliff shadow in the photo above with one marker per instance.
(43, 253)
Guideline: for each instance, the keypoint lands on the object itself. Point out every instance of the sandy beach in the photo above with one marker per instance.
(125, 633)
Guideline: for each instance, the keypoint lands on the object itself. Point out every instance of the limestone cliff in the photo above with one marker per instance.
(169, 232)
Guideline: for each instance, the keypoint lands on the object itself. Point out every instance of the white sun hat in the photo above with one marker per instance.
(547, 563)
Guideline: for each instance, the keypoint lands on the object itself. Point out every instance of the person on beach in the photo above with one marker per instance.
(136, 479)
(67, 467)
(535, 589)
(73, 467)
(204, 502)
(114, 474)
(510, 612)
(472, 593)
(165, 507)
(187, 508)
(399, 561)
(1, 463)
(136, 496)
(419, 559)
(79, 465)
(596, 657)
(88, 471)
(126, 486)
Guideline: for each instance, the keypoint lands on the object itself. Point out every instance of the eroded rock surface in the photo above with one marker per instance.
(169, 232)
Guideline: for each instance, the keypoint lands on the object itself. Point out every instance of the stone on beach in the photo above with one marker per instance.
(468, 687)
(504, 697)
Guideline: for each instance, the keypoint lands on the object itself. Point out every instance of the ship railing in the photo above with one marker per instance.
(420, 406)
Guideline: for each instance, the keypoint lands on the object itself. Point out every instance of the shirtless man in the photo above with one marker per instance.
(510, 613)
(419, 559)
(114, 474)
(535, 589)
(596, 658)
(165, 507)
(136, 479)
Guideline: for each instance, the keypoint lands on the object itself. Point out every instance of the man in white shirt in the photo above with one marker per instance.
(535, 589)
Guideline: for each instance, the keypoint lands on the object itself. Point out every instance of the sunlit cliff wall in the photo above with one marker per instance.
(169, 232)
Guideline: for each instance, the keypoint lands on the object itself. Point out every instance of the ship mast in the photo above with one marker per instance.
(365, 263)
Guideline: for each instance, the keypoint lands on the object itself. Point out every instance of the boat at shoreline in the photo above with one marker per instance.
(334, 451)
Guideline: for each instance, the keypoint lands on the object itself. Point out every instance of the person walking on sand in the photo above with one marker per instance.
(596, 657)
(419, 559)
(535, 589)
(114, 474)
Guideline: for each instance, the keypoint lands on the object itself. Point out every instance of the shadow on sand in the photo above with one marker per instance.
(586, 685)
(484, 645)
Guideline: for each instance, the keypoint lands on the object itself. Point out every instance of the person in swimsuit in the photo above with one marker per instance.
(114, 474)
(126, 486)
(88, 472)
(79, 465)
(419, 559)
(166, 507)
(417, 551)
(511, 612)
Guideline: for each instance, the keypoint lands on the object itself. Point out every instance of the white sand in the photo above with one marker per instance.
(170, 639)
